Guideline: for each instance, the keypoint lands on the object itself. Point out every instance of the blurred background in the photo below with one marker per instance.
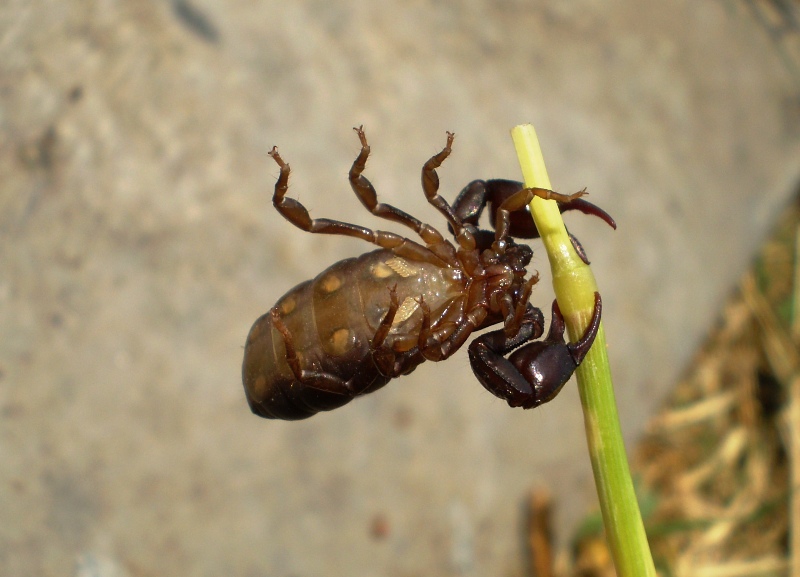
(138, 244)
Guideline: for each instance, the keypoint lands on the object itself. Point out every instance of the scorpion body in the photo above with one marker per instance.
(331, 321)
(367, 320)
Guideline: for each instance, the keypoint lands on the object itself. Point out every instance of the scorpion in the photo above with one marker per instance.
(367, 320)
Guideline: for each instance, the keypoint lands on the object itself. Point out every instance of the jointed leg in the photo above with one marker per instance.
(513, 322)
(522, 198)
(430, 185)
(452, 331)
(293, 211)
(313, 379)
(479, 194)
(369, 198)
(396, 359)
(385, 357)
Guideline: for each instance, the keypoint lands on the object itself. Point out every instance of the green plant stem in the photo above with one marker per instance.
(574, 285)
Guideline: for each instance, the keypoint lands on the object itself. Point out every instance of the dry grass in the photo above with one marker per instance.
(716, 465)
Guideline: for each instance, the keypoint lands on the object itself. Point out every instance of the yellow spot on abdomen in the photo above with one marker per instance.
(331, 283)
(255, 332)
(288, 305)
(260, 386)
(342, 341)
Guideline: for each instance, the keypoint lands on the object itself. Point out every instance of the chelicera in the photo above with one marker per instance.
(370, 319)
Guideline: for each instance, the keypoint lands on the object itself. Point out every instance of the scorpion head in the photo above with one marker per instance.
(517, 256)
(504, 269)
(505, 250)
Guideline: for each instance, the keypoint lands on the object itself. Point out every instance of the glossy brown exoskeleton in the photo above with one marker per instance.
(479, 194)
(367, 320)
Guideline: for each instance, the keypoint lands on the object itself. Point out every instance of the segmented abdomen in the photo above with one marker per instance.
(332, 320)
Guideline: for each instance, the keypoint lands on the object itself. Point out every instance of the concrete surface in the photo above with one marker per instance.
(138, 244)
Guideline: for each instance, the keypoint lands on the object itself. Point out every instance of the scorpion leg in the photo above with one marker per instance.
(430, 337)
(430, 185)
(391, 361)
(438, 344)
(520, 200)
(384, 356)
(514, 322)
(478, 194)
(534, 373)
(293, 211)
(369, 198)
(320, 380)
(517, 202)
